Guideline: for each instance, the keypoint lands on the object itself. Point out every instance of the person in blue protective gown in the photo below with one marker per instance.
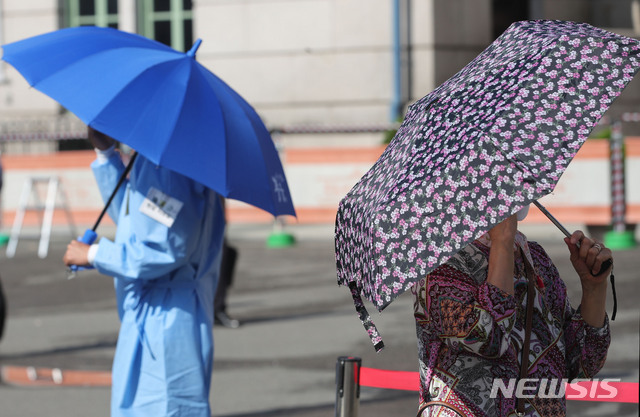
(165, 262)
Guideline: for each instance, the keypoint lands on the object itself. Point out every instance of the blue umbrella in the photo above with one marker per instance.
(162, 103)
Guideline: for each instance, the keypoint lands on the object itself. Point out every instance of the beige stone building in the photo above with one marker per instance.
(301, 63)
(325, 73)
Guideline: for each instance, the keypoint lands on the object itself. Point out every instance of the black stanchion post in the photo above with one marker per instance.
(347, 386)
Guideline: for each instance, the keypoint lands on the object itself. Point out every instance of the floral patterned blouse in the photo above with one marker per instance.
(470, 333)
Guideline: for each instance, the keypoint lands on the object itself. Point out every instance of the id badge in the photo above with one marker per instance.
(161, 207)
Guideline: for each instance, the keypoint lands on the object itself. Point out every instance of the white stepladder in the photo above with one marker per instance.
(54, 187)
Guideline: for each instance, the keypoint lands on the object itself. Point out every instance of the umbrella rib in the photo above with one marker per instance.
(123, 91)
(88, 57)
(192, 69)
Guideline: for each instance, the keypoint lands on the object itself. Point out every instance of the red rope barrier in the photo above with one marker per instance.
(379, 378)
(627, 392)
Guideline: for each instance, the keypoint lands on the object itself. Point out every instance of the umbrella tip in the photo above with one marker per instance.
(194, 48)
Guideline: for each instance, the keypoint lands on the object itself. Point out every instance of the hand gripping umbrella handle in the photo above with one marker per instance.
(89, 237)
(605, 265)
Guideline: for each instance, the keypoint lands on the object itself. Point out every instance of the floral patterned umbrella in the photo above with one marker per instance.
(487, 142)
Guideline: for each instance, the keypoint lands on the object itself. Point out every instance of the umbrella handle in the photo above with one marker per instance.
(605, 265)
(89, 237)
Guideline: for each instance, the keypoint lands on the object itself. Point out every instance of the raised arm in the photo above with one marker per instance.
(587, 334)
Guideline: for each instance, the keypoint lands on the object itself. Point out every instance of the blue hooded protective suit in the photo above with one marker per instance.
(165, 262)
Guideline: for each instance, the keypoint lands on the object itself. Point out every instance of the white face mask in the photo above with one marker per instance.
(522, 214)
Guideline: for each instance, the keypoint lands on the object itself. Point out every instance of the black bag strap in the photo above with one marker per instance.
(531, 293)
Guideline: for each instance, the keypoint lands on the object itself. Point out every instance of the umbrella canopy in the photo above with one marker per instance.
(487, 142)
(162, 103)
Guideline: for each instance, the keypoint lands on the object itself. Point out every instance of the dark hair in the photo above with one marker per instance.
(97, 133)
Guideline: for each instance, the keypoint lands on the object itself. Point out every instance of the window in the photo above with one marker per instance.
(168, 21)
(102, 13)
(92, 13)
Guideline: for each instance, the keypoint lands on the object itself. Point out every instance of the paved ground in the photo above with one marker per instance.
(281, 361)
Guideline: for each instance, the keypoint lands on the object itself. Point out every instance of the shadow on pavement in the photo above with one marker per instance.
(391, 403)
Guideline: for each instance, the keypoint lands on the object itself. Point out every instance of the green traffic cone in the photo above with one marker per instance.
(615, 240)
